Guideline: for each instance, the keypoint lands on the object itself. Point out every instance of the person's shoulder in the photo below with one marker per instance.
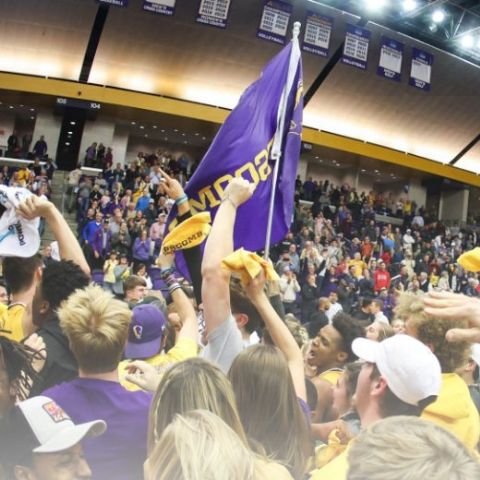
(267, 470)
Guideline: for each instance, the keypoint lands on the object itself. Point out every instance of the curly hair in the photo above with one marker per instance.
(349, 329)
(431, 331)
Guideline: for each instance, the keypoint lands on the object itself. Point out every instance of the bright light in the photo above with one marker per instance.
(375, 4)
(409, 5)
(467, 41)
(438, 16)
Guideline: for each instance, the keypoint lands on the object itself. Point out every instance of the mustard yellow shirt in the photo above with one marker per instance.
(11, 322)
(331, 376)
(337, 469)
(183, 349)
(455, 411)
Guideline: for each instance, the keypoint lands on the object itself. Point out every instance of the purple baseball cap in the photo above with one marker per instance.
(146, 332)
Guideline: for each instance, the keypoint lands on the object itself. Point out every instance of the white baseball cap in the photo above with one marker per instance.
(475, 353)
(46, 428)
(412, 371)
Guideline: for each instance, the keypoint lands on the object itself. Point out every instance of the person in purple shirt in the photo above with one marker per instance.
(97, 326)
(88, 232)
(102, 241)
(141, 249)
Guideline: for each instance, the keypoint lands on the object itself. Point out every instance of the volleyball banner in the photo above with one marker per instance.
(117, 3)
(355, 49)
(274, 21)
(318, 34)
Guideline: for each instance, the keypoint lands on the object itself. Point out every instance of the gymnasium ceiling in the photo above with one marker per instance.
(176, 57)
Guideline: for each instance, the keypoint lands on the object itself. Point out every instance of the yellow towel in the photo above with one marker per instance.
(248, 265)
(470, 261)
(188, 234)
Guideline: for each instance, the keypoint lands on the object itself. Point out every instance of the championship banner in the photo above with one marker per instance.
(421, 71)
(355, 50)
(318, 33)
(163, 7)
(117, 3)
(213, 12)
(274, 21)
(242, 148)
(391, 56)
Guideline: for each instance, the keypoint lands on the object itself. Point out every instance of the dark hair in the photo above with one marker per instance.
(379, 303)
(391, 405)
(19, 272)
(60, 280)
(366, 302)
(133, 281)
(139, 267)
(240, 303)
(349, 329)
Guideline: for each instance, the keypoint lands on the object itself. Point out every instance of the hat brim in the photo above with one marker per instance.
(70, 436)
(366, 350)
(143, 350)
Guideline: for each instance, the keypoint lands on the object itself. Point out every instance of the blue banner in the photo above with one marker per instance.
(242, 148)
(274, 21)
(117, 3)
(163, 7)
(391, 57)
(355, 49)
(421, 70)
(318, 33)
(213, 12)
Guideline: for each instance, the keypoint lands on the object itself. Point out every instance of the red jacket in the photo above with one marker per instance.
(382, 279)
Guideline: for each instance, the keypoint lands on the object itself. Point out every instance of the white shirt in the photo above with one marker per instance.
(332, 311)
(381, 317)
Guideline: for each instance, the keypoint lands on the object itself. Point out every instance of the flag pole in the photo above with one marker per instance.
(277, 148)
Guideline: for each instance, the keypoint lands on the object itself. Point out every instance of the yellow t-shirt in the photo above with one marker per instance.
(109, 268)
(455, 411)
(331, 376)
(359, 265)
(183, 349)
(337, 469)
(11, 322)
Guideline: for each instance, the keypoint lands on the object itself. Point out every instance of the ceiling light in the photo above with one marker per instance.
(409, 5)
(141, 127)
(197, 134)
(204, 138)
(467, 41)
(376, 171)
(155, 126)
(21, 106)
(375, 4)
(134, 123)
(363, 170)
(32, 118)
(11, 106)
(175, 130)
(70, 133)
(185, 141)
(438, 16)
(316, 158)
(67, 144)
(32, 109)
(184, 134)
(72, 123)
(146, 135)
(165, 138)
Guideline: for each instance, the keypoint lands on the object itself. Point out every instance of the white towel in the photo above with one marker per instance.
(18, 237)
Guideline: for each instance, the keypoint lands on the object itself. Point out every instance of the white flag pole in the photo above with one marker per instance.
(276, 151)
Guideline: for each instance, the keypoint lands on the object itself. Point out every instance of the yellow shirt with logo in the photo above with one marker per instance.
(455, 411)
(11, 322)
(183, 349)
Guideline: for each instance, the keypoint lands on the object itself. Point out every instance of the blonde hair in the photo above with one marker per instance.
(198, 445)
(298, 331)
(96, 325)
(190, 385)
(431, 331)
(409, 448)
(269, 407)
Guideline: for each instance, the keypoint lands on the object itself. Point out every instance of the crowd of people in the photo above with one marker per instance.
(352, 354)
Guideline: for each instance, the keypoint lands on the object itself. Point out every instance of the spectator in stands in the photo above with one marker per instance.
(134, 289)
(97, 393)
(40, 148)
(381, 277)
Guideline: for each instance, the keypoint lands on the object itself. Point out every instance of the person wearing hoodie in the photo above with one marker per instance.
(454, 409)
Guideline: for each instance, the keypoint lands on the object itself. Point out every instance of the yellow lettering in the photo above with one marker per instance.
(253, 173)
(201, 204)
(218, 184)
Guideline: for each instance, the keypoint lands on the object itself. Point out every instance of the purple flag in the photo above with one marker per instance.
(243, 145)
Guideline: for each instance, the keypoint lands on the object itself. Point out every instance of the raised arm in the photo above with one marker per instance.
(279, 332)
(68, 245)
(215, 287)
(182, 303)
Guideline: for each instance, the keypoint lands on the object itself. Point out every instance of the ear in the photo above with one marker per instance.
(23, 473)
(44, 307)
(470, 366)
(378, 387)
(241, 320)
(342, 357)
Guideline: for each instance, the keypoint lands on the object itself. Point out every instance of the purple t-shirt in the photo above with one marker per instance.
(121, 451)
